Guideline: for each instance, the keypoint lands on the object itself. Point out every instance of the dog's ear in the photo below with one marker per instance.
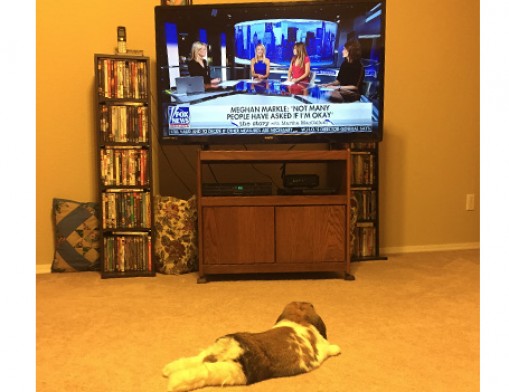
(281, 317)
(320, 326)
(314, 319)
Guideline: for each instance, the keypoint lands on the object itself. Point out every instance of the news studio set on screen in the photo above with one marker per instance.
(242, 109)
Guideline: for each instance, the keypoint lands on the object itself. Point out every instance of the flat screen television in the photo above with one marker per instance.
(240, 109)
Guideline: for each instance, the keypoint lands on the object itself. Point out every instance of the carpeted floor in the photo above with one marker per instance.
(410, 323)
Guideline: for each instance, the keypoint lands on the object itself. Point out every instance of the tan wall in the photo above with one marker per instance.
(429, 157)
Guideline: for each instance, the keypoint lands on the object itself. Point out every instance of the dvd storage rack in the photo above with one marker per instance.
(124, 164)
(364, 195)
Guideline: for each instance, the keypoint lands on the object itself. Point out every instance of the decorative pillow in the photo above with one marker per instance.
(77, 236)
(175, 225)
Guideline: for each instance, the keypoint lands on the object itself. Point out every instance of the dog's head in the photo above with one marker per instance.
(303, 313)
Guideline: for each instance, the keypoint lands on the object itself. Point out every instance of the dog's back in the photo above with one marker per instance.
(296, 344)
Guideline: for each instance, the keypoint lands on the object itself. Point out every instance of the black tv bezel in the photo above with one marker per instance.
(299, 135)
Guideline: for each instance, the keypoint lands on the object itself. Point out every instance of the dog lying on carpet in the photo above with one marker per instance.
(296, 344)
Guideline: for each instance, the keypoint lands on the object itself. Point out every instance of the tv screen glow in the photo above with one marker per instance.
(240, 110)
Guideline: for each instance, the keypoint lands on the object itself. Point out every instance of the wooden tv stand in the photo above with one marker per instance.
(275, 233)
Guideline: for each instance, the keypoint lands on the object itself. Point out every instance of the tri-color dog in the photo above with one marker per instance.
(296, 344)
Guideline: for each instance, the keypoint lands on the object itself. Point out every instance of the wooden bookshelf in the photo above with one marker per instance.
(124, 164)
(365, 205)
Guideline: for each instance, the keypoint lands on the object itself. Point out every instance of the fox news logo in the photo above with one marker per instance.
(179, 116)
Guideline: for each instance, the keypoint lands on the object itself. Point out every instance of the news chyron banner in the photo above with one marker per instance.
(184, 119)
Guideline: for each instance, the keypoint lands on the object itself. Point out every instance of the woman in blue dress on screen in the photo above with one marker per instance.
(260, 65)
(198, 66)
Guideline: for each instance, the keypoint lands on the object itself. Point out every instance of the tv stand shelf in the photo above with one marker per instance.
(275, 233)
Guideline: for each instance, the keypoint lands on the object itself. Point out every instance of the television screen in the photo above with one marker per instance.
(240, 90)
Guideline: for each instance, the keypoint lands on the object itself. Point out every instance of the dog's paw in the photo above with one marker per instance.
(181, 381)
(174, 388)
(176, 366)
(334, 349)
(167, 370)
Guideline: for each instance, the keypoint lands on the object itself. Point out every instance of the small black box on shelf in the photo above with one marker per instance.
(301, 180)
(237, 189)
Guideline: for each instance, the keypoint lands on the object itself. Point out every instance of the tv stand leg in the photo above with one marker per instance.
(202, 279)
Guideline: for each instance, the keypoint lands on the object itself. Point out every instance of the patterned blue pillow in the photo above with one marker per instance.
(77, 246)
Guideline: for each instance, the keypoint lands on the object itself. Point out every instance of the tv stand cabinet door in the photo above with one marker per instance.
(311, 234)
(238, 235)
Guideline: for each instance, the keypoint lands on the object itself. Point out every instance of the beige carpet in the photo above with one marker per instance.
(410, 323)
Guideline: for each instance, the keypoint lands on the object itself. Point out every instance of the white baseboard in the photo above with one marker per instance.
(46, 268)
(429, 248)
(43, 268)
